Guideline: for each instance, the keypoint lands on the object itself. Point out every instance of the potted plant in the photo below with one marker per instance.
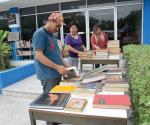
(5, 51)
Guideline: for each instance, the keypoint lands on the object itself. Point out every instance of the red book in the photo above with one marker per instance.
(111, 101)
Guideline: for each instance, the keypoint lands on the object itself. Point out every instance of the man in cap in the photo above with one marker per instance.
(49, 63)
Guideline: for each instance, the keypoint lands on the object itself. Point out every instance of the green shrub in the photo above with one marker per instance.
(138, 58)
(5, 51)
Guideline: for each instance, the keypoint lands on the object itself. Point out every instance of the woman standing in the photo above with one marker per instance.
(99, 38)
(75, 44)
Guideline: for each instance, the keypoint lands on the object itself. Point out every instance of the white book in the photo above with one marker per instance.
(93, 79)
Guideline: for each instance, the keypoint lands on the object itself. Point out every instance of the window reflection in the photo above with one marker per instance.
(129, 24)
(4, 24)
(42, 18)
(28, 27)
(105, 18)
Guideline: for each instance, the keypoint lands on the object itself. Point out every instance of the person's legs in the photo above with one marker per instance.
(47, 86)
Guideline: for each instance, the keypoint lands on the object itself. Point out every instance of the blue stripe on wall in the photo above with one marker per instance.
(146, 22)
(14, 10)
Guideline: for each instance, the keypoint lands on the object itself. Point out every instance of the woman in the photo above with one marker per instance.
(99, 38)
(75, 44)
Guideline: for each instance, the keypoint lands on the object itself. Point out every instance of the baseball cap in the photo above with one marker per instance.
(57, 17)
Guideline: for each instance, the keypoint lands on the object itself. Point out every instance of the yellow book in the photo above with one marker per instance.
(63, 89)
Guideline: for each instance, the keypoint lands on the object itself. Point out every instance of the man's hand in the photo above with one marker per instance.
(61, 69)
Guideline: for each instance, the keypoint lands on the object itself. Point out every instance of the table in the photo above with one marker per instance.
(98, 61)
(89, 116)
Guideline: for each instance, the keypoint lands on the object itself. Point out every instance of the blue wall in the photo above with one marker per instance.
(146, 22)
(11, 76)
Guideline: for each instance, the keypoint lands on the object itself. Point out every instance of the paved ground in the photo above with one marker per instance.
(13, 109)
(15, 101)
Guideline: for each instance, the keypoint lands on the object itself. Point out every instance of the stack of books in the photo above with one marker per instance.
(113, 46)
(114, 73)
(101, 54)
(88, 54)
(116, 87)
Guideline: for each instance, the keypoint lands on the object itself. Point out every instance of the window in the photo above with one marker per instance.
(105, 18)
(42, 18)
(129, 24)
(79, 18)
(4, 24)
(119, 2)
(96, 3)
(27, 11)
(4, 14)
(28, 27)
(48, 8)
(73, 5)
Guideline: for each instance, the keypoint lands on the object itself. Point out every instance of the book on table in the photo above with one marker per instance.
(63, 89)
(115, 89)
(76, 104)
(111, 101)
(93, 79)
(51, 101)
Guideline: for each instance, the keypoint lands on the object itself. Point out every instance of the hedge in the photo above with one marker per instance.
(138, 59)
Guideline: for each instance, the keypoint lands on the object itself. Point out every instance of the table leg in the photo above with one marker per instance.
(32, 120)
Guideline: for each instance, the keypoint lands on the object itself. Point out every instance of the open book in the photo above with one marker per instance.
(72, 72)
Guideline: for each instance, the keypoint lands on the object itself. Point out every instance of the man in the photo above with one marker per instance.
(48, 60)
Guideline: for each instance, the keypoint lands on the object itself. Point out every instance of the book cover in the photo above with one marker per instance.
(63, 89)
(111, 101)
(76, 104)
(51, 100)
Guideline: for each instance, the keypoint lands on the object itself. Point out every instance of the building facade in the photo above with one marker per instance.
(125, 20)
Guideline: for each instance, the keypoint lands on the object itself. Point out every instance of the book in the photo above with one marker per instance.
(90, 85)
(72, 72)
(95, 71)
(63, 89)
(111, 101)
(115, 80)
(51, 101)
(115, 89)
(93, 79)
(76, 104)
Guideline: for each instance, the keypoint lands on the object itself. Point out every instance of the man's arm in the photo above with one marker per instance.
(44, 60)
